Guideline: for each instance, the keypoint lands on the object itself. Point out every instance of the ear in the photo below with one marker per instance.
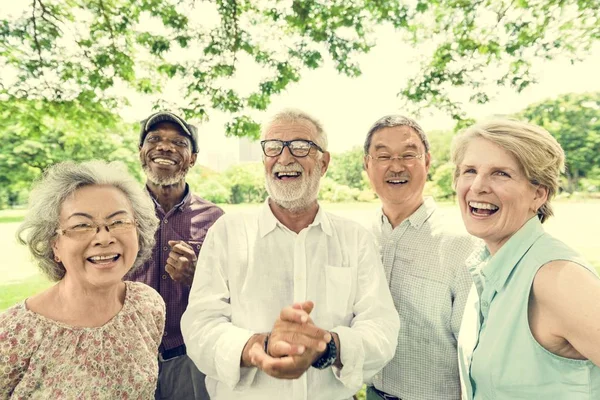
(427, 161)
(366, 163)
(325, 162)
(193, 159)
(540, 197)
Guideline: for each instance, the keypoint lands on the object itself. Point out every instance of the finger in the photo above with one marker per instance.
(281, 348)
(277, 367)
(309, 342)
(174, 262)
(172, 271)
(181, 247)
(307, 306)
(292, 314)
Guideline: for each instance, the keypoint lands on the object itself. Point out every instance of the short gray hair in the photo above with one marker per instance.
(390, 121)
(294, 115)
(62, 180)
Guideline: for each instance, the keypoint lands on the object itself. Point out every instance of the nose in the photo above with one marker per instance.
(103, 236)
(165, 146)
(396, 164)
(286, 157)
(480, 184)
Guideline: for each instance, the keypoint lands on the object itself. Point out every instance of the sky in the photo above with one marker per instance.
(347, 107)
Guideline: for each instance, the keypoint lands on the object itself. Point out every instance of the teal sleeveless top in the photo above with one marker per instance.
(498, 355)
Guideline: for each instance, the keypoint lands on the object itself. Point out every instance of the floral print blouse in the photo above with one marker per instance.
(45, 359)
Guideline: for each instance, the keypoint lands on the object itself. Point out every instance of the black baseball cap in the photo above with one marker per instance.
(166, 116)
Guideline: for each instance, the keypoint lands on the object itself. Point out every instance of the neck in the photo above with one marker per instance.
(89, 306)
(396, 213)
(295, 219)
(167, 196)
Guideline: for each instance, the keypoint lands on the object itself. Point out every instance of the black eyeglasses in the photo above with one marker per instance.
(298, 147)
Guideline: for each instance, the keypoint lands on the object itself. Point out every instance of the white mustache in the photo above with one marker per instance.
(296, 167)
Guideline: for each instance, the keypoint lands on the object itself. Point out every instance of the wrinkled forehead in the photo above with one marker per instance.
(290, 130)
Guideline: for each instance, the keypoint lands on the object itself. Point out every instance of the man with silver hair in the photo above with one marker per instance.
(289, 301)
(168, 149)
(424, 261)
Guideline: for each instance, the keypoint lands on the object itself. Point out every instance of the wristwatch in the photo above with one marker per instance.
(328, 358)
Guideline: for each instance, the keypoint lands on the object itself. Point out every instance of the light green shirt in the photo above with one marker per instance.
(498, 355)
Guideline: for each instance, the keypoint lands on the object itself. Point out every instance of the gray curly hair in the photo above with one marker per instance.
(60, 181)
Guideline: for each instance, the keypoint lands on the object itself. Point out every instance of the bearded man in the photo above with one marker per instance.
(289, 302)
(168, 148)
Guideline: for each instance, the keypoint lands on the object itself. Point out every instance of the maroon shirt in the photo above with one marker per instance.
(188, 221)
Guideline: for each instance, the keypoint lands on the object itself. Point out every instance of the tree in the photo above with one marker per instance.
(59, 49)
(246, 182)
(36, 134)
(574, 120)
(346, 168)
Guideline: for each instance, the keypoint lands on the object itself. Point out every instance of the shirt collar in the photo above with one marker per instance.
(416, 219)
(182, 205)
(267, 222)
(500, 265)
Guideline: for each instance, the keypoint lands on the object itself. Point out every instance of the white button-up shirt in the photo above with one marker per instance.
(251, 266)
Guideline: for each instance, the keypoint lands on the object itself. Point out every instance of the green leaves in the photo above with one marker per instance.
(574, 120)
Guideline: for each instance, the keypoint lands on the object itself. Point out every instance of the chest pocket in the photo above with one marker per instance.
(338, 286)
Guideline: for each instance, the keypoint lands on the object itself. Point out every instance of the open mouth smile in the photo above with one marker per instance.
(104, 259)
(163, 161)
(397, 181)
(285, 175)
(480, 209)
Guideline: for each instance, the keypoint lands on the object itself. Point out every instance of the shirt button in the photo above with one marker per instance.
(164, 276)
(166, 221)
(165, 334)
(165, 248)
(485, 304)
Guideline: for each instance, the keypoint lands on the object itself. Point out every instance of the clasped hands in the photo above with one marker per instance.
(294, 344)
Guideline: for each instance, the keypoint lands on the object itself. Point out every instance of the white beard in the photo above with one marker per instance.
(297, 195)
(159, 180)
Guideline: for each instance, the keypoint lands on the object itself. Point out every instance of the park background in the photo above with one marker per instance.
(77, 76)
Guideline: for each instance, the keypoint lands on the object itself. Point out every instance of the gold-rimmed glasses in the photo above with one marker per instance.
(87, 230)
(385, 160)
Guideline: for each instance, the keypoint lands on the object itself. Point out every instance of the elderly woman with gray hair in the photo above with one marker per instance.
(90, 335)
(531, 326)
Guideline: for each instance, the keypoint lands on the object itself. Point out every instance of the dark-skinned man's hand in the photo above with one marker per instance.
(181, 263)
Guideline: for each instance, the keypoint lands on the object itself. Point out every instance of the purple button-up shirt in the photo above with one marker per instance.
(188, 221)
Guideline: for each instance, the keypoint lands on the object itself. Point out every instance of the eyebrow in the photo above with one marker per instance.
(410, 146)
(492, 167)
(79, 214)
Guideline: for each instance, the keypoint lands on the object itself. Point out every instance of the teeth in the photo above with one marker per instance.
(397, 181)
(288, 173)
(164, 161)
(484, 206)
(102, 258)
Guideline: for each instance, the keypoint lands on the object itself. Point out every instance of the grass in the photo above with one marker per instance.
(575, 223)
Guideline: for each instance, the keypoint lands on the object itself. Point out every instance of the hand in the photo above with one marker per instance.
(181, 263)
(295, 344)
(294, 332)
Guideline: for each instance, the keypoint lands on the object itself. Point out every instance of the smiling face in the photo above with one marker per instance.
(166, 154)
(99, 259)
(495, 197)
(293, 182)
(398, 184)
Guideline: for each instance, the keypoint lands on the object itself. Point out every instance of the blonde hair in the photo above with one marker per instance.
(539, 154)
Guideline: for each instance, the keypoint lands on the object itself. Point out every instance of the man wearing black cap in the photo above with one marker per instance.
(168, 149)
